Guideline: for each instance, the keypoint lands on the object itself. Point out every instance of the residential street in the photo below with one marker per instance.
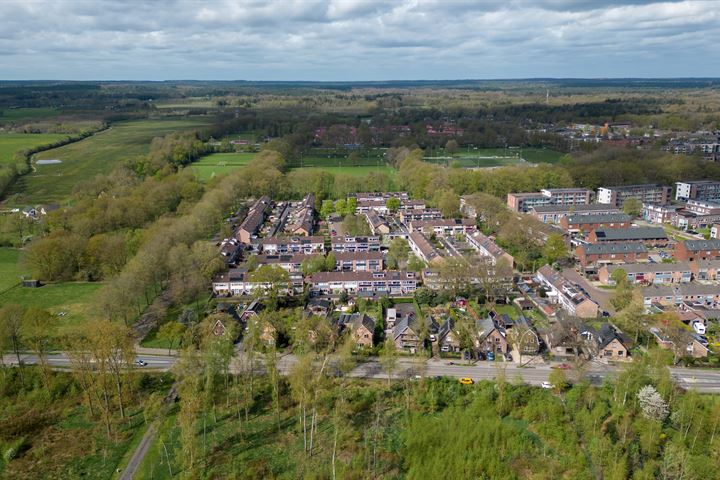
(704, 381)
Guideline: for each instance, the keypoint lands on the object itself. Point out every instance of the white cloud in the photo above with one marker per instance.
(357, 39)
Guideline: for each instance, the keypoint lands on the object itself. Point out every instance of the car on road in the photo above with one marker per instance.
(546, 385)
(140, 363)
(466, 381)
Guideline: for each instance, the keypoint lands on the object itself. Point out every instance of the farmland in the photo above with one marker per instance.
(13, 142)
(95, 155)
(220, 164)
(9, 115)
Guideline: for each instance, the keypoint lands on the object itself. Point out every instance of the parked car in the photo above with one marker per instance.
(546, 385)
(466, 381)
(562, 366)
(467, 355)
(490, 356)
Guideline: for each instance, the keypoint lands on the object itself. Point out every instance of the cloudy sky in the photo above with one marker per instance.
(357, 39)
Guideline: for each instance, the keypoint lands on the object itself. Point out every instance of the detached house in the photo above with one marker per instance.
(448, 337)
(491, 336)
(361, 327)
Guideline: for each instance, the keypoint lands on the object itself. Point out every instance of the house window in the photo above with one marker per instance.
(608, 353)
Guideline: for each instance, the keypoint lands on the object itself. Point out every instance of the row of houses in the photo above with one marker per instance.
(239, 281)
(253, 220)
(344, 261)
(694, 214)
(664, 273)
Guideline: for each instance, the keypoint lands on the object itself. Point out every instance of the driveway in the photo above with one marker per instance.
(602, 297)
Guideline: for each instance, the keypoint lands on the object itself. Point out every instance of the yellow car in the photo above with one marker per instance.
(466, 381)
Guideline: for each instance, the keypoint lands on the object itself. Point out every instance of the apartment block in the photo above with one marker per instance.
(703, 190)
(648, 193)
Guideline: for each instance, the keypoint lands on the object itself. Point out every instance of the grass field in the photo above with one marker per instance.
(220, 164)
(495, 157)
(95, 155)
(10, 268)
(354, 171)
(14, 114)
(74, 298)
(13, 142)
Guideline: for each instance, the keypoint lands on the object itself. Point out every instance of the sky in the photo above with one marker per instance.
(357, 40)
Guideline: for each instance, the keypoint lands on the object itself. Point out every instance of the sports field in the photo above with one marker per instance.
(13, 142)
(494, 157)
(98, 154)
(354, 171)
(220, 164)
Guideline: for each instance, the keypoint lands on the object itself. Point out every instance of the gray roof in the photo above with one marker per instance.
(681, 289)
(635, 233)
(598, 218)
(606, 248)
(697, 245)
(651, 267)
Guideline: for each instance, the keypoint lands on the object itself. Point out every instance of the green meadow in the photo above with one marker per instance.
(220, 164)
(14, 142)
(98, 154)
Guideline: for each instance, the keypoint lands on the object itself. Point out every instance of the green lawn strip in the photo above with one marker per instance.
(10, 143)
(154, 465)
(131, 447)
(98, 154)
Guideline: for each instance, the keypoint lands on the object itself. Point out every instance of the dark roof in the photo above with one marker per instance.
(635, 233)
(607, 333)
(697, 245)
(606, 248)
(354, 320)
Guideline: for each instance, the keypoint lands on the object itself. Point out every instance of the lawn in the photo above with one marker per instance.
(495, 157)
(74, 298)
(541, 155)
(13, 142)
(220, 164)
(354, 171)
(10, 269)
(95, 155)
(15, 114)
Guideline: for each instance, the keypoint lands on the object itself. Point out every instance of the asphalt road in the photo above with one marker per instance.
(704, 381)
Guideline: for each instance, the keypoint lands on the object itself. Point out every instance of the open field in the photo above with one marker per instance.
(495, 157)
(13, 142)
(220, 164)
(190, 102)
(354, 171)
(95, 155)
(8, 115)
(73, 298)
(10, 268)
